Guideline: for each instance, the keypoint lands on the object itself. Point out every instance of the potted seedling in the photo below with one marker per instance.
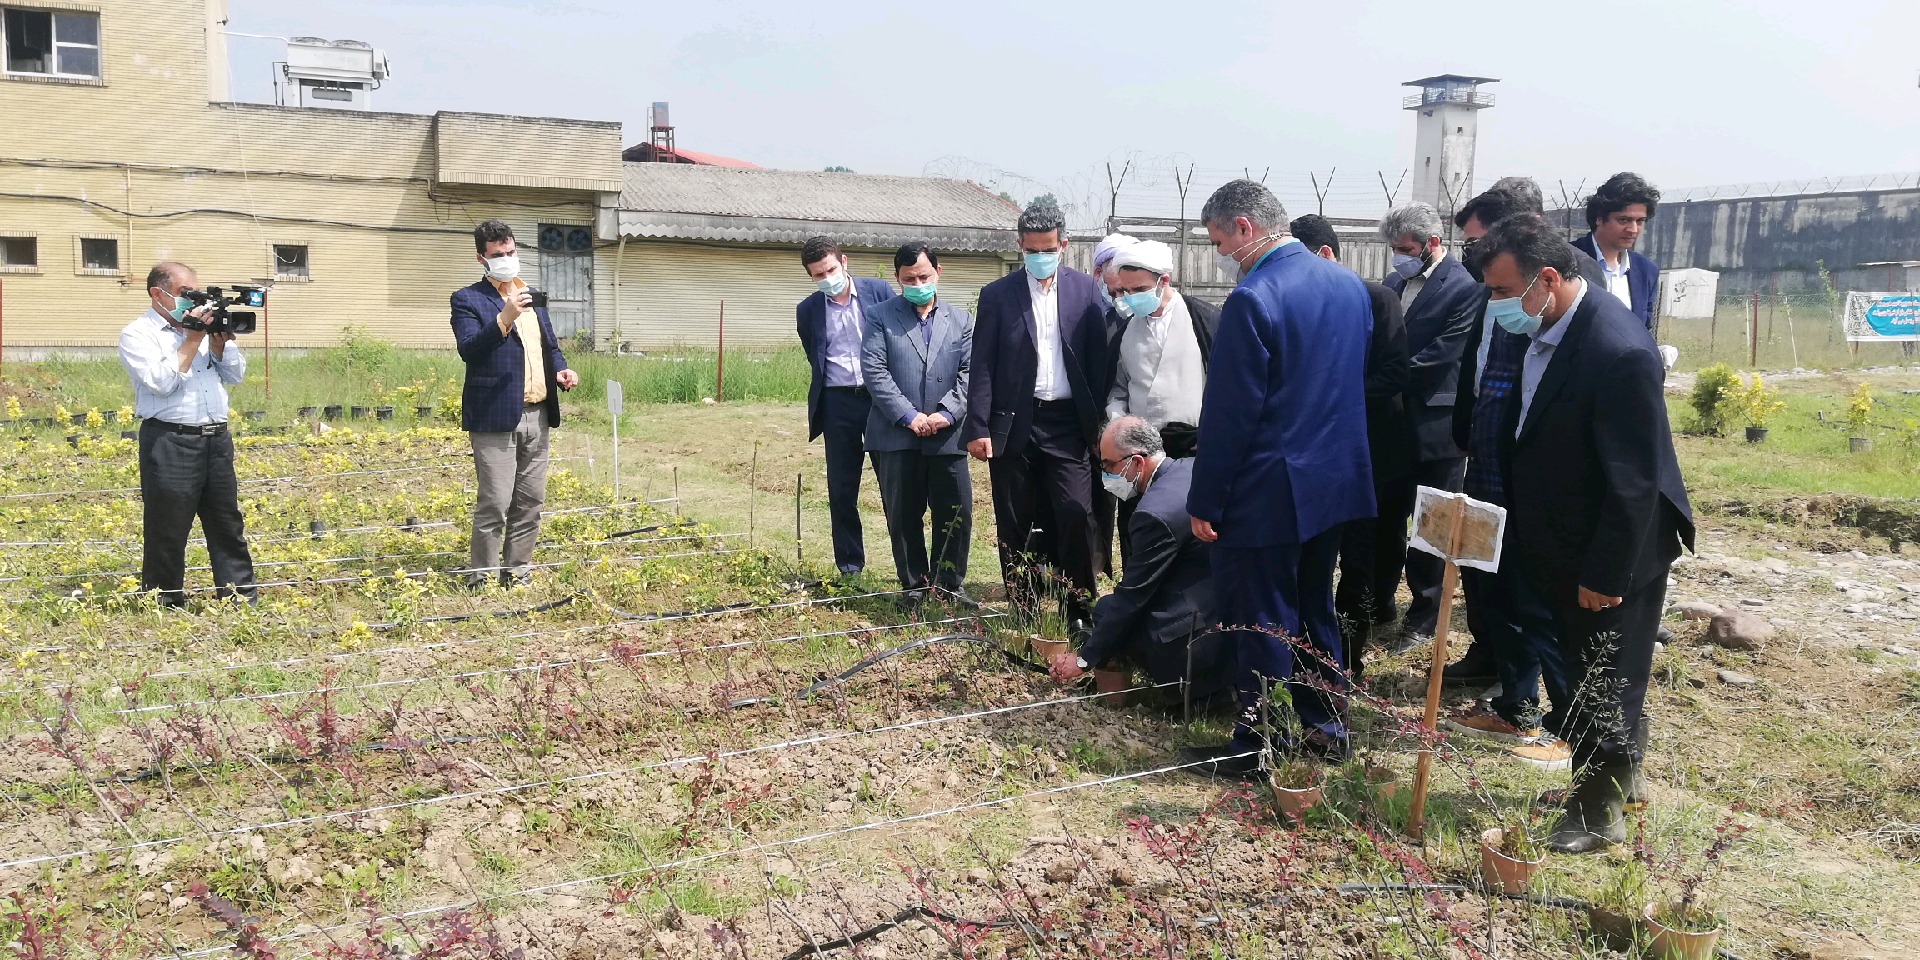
(1509, 857)
(331, 411)
(1111, 682)
(1296, 786)
(1685, 924)
(423, 412)
(1859, 409)
(308, 413)
(383, 413)
(357, 412)
(1761, 403)
(1044, 648)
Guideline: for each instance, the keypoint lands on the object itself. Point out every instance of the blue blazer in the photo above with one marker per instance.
(1167, 589)
(1643, 278)
(907, 376)
(810, 321)
(1283, 422)
(491, 399)
(1007, 363)
(1436, 336)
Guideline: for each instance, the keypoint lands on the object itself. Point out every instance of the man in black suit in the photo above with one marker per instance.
(1597, 510)
(1434, 290)
(1159, 616)
(830, 322)
(1390, 444)
(1033, 414)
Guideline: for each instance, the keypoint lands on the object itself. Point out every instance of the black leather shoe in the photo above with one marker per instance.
(1476, 667)
(1227, 761)
(1326, 746)
(1594, 817)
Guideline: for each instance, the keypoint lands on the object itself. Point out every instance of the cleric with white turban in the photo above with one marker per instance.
(1162, 356)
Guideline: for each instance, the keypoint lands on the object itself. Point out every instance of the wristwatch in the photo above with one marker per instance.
(1082, 663)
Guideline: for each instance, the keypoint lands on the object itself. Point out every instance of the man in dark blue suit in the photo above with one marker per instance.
(1435, 291)
(1282, 464)
(1033, 414)
(1597, 512)
(511, 398)
(1617, 213)
(1159, 617)
(830, 322)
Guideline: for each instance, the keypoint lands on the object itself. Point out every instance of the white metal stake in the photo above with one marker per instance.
(616, 404)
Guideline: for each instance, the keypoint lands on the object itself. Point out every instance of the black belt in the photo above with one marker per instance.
(858, 391)
(1053, 405)
(191, 429)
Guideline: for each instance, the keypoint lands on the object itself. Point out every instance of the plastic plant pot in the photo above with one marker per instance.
(331, 411)
(1503, 873)
(383, 413)
(1111, 682)
(1672, 943)
(1756, 434)
(308, 413)
(357, 413)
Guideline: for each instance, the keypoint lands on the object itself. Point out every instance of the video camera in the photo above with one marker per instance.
(224, 319)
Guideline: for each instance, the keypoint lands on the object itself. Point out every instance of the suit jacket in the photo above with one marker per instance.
(907, 376)
(492, 397)
(1390, 436)
(1283, 442)
(1643, 278)
(1594, 492)
(1006, 362)
(1166, 595)
(1435, 338)
(810, 320)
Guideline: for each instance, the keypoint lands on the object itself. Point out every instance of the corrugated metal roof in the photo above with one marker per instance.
(648, 153)
(673, 188)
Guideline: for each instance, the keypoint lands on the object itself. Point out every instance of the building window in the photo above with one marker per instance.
(52, 44)
(19, 255)
(290, 261)
(99, 256)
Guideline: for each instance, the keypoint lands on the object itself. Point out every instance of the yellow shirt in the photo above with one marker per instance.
(535, 370)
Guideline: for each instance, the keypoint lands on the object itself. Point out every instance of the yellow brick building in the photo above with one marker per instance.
(119, 147)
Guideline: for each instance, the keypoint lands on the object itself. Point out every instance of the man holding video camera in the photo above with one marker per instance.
(180, 370)
(515, 373)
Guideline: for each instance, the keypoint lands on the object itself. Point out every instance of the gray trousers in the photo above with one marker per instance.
(512, 472)
(912, 485)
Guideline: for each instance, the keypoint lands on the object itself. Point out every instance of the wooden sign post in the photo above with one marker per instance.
(1463, 532)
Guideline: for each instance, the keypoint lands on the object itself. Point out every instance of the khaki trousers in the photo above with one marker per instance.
(512, 472)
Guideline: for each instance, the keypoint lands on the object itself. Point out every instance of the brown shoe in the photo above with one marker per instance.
(1482, 722)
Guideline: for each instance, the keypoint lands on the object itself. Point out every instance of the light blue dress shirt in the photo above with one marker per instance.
(150, 352)
(843, 340)
(1540, 353)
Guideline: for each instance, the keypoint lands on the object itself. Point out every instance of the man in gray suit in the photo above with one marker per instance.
(1164, 603)
(914, 354)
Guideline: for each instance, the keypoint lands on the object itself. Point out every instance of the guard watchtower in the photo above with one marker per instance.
(1449, 108)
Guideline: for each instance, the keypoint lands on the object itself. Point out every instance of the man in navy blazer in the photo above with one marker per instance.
(511, 398)
(830, 322)
(1617, 213)
(915, 355)
(1596, 513)
(1282, 464)
(1033, 414)
(1435, 290)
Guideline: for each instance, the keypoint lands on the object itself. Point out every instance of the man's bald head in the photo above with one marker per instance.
(167, 276)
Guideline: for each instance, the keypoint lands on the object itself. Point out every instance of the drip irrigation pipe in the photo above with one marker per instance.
(917, 911)
(878, 658)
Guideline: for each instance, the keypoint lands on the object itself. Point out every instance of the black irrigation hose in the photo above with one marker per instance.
(278, 759)
(910, 913)
(652, 529)
(629, 617)
(877, 658)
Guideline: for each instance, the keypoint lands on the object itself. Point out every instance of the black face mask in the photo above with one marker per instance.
(1470, 258)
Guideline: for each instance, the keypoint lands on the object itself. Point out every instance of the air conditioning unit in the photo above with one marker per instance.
(334, 74)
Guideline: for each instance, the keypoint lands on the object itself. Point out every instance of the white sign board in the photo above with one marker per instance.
(616, 397)
(1883, 316)
(1480, 526)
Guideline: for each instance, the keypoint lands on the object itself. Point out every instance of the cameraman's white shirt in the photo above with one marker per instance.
(150, 352)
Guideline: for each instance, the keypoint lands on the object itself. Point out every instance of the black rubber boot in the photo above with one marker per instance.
(1636, 793)
(1594, 817)
(1476, 667)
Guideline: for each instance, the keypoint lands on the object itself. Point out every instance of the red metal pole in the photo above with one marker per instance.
(720, 371)
(3, 327)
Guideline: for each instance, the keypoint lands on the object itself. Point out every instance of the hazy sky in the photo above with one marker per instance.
(1686, 92)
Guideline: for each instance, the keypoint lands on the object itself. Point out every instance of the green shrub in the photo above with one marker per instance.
(1716, 398)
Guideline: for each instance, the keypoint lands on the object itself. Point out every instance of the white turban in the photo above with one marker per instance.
(1146, 255)
(1105, 251)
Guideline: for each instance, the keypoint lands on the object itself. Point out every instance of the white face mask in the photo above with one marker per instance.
(1229, 265)
(502, 269)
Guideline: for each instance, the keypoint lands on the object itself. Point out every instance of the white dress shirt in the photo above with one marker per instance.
(150, 352)
(1050, 374)
(842, 346)
(1540, 353)
(1617, 279)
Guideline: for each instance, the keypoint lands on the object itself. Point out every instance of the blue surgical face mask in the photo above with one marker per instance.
(181, 306)
(1040, 266)
(1403, 263)
(833, 283)
(1142, 304)
(919, 295)
(1514, 318)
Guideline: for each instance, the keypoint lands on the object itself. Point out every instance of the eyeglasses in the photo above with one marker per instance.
(1115, 466)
